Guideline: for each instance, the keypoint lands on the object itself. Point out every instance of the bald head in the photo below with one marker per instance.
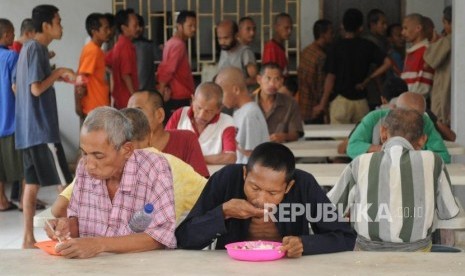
(411, 100)
(210, 91)
(229, 25)
(231, 76)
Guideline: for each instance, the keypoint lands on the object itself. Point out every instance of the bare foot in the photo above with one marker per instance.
(29, 244)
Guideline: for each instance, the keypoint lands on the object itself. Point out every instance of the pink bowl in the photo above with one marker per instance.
(237, 251)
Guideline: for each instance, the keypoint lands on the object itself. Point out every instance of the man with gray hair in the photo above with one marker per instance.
(214, 129)
(113, 182)
(393, 195)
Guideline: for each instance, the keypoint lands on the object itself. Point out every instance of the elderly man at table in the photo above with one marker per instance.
(366, 136)
(178, 142)
(281, 112)
(393, 194)
(214, 129)
(232, 206)
(105, 195)
(187, 183)
(248, 118)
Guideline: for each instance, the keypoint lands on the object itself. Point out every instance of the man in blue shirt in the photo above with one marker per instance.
(10, 159)
(37, 131)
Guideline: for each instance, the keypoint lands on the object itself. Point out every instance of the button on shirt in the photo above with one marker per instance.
(146, 179)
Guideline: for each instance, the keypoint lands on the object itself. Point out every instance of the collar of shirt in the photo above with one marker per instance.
(423, 43)
(3, 47)
(277, 43)
(190, 114)
(124, 40)
(397, 141)
(278, 101)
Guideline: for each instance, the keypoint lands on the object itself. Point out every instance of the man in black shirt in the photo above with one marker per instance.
(235, 206)
(347, 67)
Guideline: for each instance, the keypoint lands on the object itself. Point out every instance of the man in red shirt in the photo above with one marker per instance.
(274, 49)
(122, 59)
(215, 130)
(174, 75)
(180, 143)
(418, 77)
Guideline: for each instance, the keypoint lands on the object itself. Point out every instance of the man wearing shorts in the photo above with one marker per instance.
(37, 131)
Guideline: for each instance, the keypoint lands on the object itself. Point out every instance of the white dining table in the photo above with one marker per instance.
(217, 262)
(328, 174)
(328, 148)
(327, 130)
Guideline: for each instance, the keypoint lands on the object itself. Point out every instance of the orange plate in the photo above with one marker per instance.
(48, 246)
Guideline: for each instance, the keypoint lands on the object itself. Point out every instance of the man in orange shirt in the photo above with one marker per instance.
(94, 92)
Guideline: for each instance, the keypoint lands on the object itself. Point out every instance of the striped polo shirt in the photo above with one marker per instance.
(392, 194)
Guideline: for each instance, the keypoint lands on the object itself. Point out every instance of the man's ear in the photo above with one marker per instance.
(383, 134)
(160, 115)
(421, 142)
(128, 149)
(244, 172)
(259, 79)
(289, 186)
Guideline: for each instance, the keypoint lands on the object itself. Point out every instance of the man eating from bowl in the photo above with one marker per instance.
(234, 206)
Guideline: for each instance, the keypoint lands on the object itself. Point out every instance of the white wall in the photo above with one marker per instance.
(431, 8)
(309, 13)
(68, 49)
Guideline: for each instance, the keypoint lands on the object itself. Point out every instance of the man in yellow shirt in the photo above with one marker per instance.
(187, 183)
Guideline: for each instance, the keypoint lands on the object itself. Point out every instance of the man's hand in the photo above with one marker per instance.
(67, 75)
(58, 229)
(241, 209)
(278, 137)
(293, 246)
(80, 248)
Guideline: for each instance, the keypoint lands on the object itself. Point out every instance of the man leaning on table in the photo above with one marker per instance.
(105, 195)
(232, 207)
(393, 194)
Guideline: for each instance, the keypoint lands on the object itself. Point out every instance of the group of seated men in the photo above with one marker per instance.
(118, 175)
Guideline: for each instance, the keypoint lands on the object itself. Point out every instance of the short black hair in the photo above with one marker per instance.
(393, 87)
(93, 22)
(447, 14)
(155, 97)
(27, 26)
(321, 27)
(111, 19)
(270, 65)
(140, 20)
(183, 15)
(5, 25)
(245, 18)
(373, 16)
(274, 156)
(352, 20)
(43, 14)
(281, 15)
(122, 18)
(390, 29)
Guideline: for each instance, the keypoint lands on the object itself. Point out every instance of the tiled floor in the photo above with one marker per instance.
(11, 222)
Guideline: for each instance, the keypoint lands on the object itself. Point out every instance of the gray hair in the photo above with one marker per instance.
(117, 127)
(210, 90)
(406, 123)
(140, 123)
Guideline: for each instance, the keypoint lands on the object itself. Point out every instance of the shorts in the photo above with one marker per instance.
(46, 165)
(11, 162)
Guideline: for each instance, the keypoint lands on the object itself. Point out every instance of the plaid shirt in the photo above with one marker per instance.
(146, 179)
(311, 78)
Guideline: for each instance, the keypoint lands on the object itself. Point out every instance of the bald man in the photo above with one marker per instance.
(234, 53)
(215, 130)
(418, 77)
(366, 136)
(251, 127)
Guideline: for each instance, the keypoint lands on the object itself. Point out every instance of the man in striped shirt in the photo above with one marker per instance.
(393, 194)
